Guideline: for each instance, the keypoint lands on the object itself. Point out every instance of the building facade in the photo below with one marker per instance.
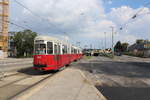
(140, 49)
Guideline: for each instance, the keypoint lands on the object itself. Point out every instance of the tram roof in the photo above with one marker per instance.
(49, 38)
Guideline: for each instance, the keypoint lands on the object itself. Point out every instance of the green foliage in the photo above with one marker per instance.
(118, 47)
(121, 47)
(124, 47)
(24, 42)
(109, 55)
(88, 57)
(139, 41)
(133, 54)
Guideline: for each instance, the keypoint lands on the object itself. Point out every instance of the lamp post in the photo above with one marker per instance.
(112, 40)
(78, 43)
(66, 36)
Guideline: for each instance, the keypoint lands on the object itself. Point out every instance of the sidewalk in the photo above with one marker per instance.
(69, 84)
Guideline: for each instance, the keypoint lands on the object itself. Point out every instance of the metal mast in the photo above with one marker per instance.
(4, 4)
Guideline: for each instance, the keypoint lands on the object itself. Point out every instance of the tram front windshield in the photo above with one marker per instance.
(40, 49)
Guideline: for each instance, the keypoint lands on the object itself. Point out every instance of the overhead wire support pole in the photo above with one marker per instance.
(112, 40)
(4, 4)
(135, 15)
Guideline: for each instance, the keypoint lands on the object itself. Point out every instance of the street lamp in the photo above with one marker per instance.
(112, 40)
(66, 36)
(78, 43)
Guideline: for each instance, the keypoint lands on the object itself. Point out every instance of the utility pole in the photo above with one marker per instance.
(4, 27)
(66, 37)
(85, 46)
(90, 46)
(102, 44)
(112, 40)
(78, 44)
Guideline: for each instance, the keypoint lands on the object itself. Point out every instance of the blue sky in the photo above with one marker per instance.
(118, 3)
(84, 20)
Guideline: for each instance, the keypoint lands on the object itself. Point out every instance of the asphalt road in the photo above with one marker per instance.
(121, 78)
(15, 83)
(11, 64)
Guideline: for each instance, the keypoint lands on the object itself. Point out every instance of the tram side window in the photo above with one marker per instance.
(58, 49)
(64, 49)
(49, 47)
(68, 50)
(75, 51)
(40, 49)
(72, 50)
(55, 49)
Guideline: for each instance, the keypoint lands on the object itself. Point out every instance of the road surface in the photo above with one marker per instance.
(9, 64)
(121, 78)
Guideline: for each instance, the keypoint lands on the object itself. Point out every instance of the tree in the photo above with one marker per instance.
(118, 47)
(24, 42)
(124, 47)
(139, 41)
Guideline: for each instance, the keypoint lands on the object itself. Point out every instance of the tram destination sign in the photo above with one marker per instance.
(39, 41)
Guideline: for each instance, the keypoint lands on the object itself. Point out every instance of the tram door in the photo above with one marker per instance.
(57, 54)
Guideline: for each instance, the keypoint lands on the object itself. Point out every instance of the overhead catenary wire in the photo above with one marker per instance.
(12, 23)
(136, 15)
(40, 17)
(24, 23)
(36, 15)
(27, 9)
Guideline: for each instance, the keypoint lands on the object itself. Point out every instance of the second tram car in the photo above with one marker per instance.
(52, 54)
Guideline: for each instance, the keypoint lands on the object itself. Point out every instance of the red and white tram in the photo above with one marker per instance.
(52, 54)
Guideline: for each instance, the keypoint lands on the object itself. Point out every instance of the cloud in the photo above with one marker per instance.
(129, 38)
(67, 15)
(121, 15)
(132, 28)
(97, 31)
(83, 20)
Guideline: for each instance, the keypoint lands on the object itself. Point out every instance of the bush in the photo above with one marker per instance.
(140, 54)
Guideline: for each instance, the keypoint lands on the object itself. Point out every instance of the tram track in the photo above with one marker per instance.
(20, 82)
(5, 76)
(14, 81)
(10, 98)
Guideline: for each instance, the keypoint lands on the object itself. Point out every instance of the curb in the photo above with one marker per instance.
(29, 92)
(101, 96)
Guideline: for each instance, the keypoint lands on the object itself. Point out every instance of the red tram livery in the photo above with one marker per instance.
(52, 54)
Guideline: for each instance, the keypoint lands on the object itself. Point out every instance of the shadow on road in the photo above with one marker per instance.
(125, 93)
(128, 69)
(140, 64)
(31, 71)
